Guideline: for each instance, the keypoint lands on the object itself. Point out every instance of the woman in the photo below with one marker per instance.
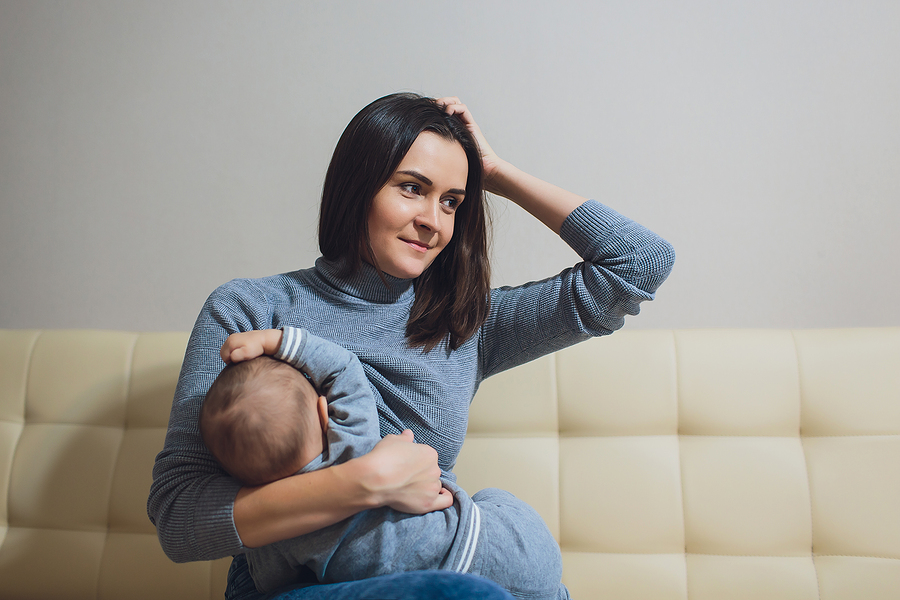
(404, 284)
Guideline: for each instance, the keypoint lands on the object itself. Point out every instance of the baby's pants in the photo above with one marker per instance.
(515, 548)
(492, 534)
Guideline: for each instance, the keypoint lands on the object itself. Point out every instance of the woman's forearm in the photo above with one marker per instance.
(548, 203)
(397, 473)
(298, 505)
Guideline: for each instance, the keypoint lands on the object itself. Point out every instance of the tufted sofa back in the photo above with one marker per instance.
(669, 464)
(707, 465)
(82, 416)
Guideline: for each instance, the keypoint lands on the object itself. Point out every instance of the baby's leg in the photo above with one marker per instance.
(384, 541)
(516, 549)
(493, 534)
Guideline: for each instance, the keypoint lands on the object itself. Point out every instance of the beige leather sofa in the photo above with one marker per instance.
(670, 464)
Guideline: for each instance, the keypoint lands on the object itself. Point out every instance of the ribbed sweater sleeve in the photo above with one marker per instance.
(191, 498)
(624, 264)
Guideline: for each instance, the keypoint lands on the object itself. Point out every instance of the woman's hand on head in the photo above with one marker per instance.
(548, 203)
(489, 159)
(405, 475)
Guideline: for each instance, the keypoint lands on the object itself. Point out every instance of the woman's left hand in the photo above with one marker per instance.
(404, 475)
(489, 159)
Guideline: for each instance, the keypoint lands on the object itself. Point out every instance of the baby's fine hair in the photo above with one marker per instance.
(256, 441)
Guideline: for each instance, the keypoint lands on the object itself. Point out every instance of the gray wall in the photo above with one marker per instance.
(150, 150)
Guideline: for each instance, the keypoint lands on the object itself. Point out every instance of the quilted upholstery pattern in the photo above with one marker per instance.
(707, 464)
(669, 464)
(82, 416)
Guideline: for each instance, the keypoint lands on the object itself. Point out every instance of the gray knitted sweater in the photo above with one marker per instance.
(191, 499)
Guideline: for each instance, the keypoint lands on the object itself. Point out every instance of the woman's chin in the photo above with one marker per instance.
(406, 269)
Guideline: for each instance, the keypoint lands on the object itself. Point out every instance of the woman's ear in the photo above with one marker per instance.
(322, 410)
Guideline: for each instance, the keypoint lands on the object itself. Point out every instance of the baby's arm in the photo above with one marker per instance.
(337, 374)
(334, 371)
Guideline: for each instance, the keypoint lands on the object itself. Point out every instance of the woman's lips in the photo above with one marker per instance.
(418, 246)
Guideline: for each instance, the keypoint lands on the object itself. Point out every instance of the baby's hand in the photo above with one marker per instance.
(248, 345)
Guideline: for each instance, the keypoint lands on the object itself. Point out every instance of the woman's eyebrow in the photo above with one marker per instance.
(418, 176)
(427, 181)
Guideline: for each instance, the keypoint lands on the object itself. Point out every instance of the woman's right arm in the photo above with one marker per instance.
(201, 513)
(397, 473)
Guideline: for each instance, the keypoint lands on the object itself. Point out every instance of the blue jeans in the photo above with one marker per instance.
(412, 585)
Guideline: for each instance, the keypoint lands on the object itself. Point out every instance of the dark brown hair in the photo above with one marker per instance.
(452, 295)
(256, 442)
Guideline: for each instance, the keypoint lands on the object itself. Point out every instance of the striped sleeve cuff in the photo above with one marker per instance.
(292, 342)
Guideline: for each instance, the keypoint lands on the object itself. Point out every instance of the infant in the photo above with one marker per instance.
(262, 420)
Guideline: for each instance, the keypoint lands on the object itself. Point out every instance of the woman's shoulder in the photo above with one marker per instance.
(272, 285)
(260, 293)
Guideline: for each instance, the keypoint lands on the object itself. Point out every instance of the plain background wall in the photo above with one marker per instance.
(150, 151)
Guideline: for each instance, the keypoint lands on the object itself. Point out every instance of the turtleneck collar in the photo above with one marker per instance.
(365, 283)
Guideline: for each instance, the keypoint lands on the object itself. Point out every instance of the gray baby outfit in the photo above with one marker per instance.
(492, 534)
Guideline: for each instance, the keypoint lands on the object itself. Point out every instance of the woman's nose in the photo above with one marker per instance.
(429, 217)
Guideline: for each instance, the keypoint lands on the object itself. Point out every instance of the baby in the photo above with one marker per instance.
(262, 420)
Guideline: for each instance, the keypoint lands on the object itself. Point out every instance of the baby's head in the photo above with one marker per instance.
(262, 420)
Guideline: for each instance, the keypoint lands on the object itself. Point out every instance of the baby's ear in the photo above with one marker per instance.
(322, 410)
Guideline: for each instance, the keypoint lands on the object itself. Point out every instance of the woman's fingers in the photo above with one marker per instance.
(454, 106)
(448, 101)
(444, 499)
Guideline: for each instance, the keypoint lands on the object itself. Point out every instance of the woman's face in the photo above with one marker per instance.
(411, 219)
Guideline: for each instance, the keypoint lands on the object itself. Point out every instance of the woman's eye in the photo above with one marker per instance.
(412, 188)
(450, 202)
